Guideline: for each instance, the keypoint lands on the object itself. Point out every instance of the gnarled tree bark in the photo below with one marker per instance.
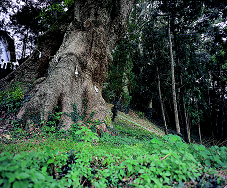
(80, 42)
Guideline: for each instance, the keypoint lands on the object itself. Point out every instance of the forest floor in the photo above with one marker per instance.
(133, 119)
(131, 127)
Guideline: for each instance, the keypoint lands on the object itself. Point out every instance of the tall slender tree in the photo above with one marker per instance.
(173, 81)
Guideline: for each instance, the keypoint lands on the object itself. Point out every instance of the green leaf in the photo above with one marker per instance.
(155, 146)
(196, 147)
(11, 179)
(96, 184)
(12, 168)
(122, 172)
(141, 171)
(165, 151)
(207, 163)
(153, 169)
(17, 156)
(50, 161)
(44, 169)
(40, 176)
(167, 173)
(75, 178)
(33, 178)
(56, 152)
(167, 180)
(47, 149)
(36, 185)
(22, 175)
(24, 164)
(2, 168)
(9, 174)
(146, 178)
(3, 158)
(18, 184)
(157, 181)
(154, 140)
(129, 167)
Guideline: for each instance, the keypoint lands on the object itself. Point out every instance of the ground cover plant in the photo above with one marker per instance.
(47, 156)
(115, 161)
(161, 162)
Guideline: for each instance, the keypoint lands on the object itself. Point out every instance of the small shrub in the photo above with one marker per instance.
(10, 103)
(10, 99)
(141, 114)
(31, 169)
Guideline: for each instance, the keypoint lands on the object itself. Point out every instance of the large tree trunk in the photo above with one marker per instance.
(91, 35)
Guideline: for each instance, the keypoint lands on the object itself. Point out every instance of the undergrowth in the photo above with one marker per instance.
(47, 156)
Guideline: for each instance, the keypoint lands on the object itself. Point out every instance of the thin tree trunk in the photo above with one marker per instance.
(24, 46)
(216, 123)
(160, 95)
(184, 119)
(223, 113)
(222, 103)
(187, 128)
(210, 106)
(161, 102)
(189, 124)
(173, 82)
(180, 93)
(200, 136)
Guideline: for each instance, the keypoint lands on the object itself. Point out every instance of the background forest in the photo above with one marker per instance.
(142, 63)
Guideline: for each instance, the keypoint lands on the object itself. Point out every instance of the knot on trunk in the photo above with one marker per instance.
(87, 23)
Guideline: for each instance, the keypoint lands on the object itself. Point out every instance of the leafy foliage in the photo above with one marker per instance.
(31, 169)
(10, 99)
(163, 162)
(10, 102)
(120, 81)
(47, 15)
(129, 157)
